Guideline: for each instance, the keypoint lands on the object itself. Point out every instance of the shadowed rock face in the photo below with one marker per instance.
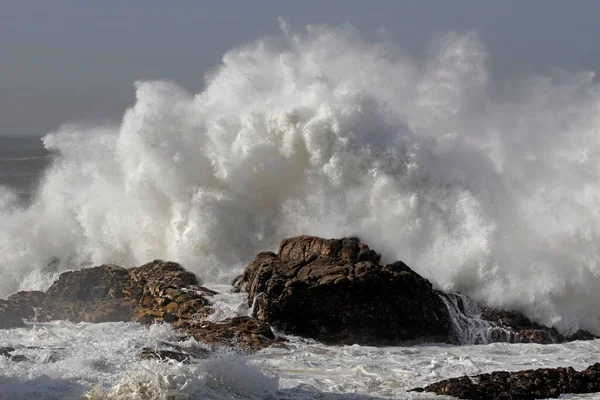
(335, 291)
(522, 385)
(19, 306)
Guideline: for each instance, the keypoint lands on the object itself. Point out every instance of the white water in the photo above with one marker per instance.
(67, 361)
(323, 133)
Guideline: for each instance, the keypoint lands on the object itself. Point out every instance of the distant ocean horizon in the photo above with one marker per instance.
(22, 162)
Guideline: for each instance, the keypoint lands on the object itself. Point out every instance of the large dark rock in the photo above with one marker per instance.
(522, 385)
(336, 291)
(19, 306)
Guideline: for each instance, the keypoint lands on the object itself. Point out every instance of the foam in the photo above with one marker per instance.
(321, 132)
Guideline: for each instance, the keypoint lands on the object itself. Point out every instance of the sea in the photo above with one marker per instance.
(325, 133)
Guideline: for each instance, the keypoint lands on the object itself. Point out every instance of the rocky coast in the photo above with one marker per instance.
(335, 291)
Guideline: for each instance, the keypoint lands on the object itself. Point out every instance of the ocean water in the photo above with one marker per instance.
(314, 132)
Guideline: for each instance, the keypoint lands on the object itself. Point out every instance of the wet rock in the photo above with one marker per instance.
(5, 351)
(164, 355)
(522, 385)
(159, 291)
(335, 290)
(156, 292)
(514, 327)
(90, 295)
(244, 333)
(166, 292)
(19, 306)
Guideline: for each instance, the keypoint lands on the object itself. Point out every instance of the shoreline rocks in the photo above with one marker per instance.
(531, 384)
(335, 291)
(332, 290)
(155, 292)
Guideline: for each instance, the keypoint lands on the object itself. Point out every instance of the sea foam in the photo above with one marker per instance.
(321, 132)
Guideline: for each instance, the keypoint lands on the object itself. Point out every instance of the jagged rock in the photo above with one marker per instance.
(158, 291)
(522, 385)
(155, 292)
(335, 291)
(245, 333)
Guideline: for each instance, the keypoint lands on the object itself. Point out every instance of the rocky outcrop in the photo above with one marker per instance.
(522, 385)
(333, 290)
(336, 291)
(152, 293)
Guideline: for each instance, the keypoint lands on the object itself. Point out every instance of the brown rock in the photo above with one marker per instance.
(245, 333)
(522, 385)
(155, 292)
(335, 291)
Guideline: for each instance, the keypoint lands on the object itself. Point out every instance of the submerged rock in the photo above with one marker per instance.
(164, 355)
(336, 291)
(522, 385)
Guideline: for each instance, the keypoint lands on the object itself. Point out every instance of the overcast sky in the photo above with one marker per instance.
(74, 60)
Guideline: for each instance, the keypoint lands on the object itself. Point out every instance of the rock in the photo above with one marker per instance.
(473, 324)
(245, 333)
(166, 292)
(19, 306)
(164, 355)
(335, 290)
(5, 351)
(514, 327)
(522, 385)
(156, 292)
(91, 295)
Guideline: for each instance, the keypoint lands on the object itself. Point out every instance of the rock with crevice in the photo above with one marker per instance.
(532, 384)
(335, 290)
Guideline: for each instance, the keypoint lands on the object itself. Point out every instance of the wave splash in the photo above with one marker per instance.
(321, 132)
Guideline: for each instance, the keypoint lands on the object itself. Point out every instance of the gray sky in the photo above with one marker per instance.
(74, 60)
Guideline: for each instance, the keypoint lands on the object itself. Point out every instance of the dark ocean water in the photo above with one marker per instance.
(22, 162)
